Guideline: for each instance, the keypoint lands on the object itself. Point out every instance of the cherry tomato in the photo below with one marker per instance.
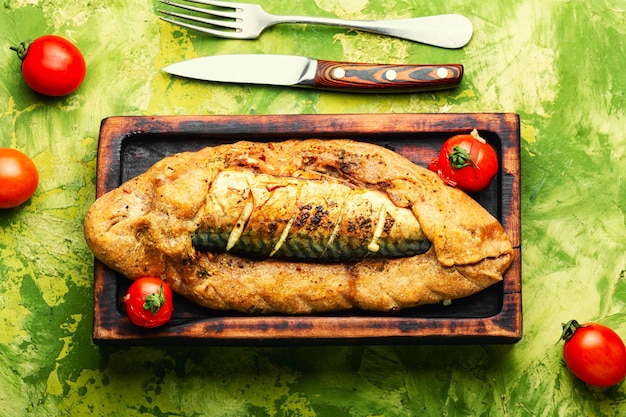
(18, 178)
(52, 65)
(149, 302)
(466, 161)
(594, 353)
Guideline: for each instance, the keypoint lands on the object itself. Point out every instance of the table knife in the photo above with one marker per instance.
(299, 71)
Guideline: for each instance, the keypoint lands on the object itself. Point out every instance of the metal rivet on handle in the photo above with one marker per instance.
(391, 75)
(339, 73)
(442, 72)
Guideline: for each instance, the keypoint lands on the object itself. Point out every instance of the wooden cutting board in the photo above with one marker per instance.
(128, 146)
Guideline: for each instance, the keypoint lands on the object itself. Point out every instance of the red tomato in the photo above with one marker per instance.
(52, 65)
(594, 353)
(466, 161)
(18, 178)
(149, 302)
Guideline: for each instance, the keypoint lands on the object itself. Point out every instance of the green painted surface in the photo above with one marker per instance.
(559, 64)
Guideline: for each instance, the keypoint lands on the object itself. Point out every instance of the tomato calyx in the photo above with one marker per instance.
(459, 158)
(155, 301)
(21, 50)
(569, 329)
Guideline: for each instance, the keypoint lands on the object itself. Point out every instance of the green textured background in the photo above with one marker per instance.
(559, 64)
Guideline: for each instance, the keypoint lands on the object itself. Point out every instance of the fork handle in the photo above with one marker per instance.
(444, 31)
(385, 78)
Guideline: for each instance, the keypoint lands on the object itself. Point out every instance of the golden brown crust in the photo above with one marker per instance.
(144, 228)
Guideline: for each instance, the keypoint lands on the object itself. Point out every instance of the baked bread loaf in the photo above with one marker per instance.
(297, 227)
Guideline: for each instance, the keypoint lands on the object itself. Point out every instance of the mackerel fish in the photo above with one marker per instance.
(305, 218)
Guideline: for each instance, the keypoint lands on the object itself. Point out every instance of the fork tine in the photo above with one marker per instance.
(214, 32)
(217, 3)
(212, 22)
(221, 13)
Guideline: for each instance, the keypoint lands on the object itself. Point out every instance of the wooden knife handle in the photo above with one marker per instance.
(386, 78)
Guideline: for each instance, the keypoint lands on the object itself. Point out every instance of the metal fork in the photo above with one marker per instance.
(247, 21)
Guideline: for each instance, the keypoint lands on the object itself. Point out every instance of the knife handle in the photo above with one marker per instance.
(386, 78)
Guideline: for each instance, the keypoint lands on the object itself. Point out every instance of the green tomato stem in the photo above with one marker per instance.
(21, 49)
(569, 329)
(155, 301)
(459, 158)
